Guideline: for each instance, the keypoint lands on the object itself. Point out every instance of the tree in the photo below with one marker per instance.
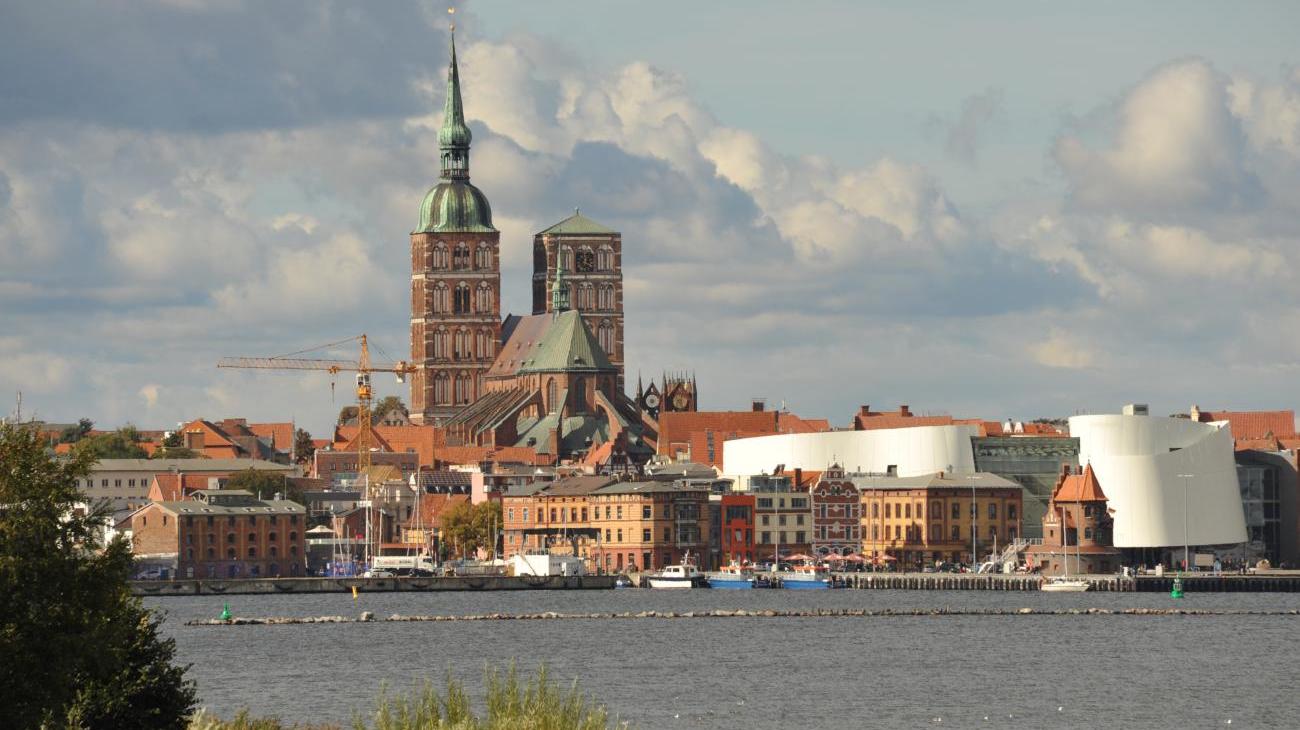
(265, 483)
(469, 527)
(173, 439)
(124, 443)
(176, 452)
(73, 434)
(388, 403)
(303, 448)
(79, 650)
(347, 414)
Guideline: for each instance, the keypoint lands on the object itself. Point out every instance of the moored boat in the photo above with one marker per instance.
(731, 577)
(1065, 585)
(685, 575)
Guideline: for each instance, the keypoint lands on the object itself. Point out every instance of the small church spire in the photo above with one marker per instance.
(560, 287)
(454, 136)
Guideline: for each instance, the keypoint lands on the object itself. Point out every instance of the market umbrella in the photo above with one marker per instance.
(799, 556)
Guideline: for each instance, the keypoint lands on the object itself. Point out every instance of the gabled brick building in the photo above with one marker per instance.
(224, 534)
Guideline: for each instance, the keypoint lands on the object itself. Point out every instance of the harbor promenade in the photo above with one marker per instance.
(252, 586)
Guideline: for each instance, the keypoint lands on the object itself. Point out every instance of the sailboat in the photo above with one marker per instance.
(1062, 583)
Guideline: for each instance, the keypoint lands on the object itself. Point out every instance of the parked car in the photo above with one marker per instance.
(379, 573)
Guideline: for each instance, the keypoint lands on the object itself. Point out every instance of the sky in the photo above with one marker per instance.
(997, 210)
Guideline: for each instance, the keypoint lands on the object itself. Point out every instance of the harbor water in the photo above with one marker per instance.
(1029, 671)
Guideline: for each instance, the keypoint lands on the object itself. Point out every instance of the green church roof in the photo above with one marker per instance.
(455, 207)
(578, 224)
(567, 346)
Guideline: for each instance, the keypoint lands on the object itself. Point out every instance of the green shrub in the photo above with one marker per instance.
(537, 704)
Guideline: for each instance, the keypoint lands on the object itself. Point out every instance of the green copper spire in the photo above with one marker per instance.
(560, 288)
(454, 137)
(453, 205)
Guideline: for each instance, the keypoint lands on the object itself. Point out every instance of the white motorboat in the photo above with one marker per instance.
(1066, 585)
(679, 576)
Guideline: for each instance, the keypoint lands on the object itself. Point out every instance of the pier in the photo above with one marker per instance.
(252, 586)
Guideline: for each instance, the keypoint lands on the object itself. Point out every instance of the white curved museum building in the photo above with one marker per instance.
(1169, 481)
(912, 451)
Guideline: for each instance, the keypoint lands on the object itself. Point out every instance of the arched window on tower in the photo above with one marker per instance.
(463, 394)
(567, 253)
(462, 298)
(441, 388)
(605, 336)
(606, 297)
(461, 258)
(483, 303)
(441, 339)
(485, 344)
(483, 257)
(439, 305)
(462, 345)
(586, 296)
(605, 259)
(439, 256)
(552, 394)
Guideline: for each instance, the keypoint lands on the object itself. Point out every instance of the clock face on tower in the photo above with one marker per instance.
(652, 400)
(680, 401)
(585, 262)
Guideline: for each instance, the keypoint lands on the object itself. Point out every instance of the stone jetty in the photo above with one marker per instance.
(368, 617)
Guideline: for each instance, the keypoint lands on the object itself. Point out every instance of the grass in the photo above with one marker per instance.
(537, 703)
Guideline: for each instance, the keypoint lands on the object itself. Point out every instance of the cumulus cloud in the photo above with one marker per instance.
(156, 235)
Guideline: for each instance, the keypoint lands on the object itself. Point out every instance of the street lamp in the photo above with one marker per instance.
(1186, 501)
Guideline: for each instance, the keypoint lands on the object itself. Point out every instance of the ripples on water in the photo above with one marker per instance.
(954, 671)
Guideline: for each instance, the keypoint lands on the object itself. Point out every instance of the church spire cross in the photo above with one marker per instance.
(454, 136)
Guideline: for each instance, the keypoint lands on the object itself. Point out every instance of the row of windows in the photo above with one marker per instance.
(459, 257)
(458, 390)
(850, 532)
(850, 510)
(89, 483)
(795, 502)
(765, 537)
(780, 520)
(584, 260)
(445, 300)
(591, 297)
(251, 521)
(232, 554)
(230, 537)
(462, 344)
(905, 510)
(687, 511)
(913, 533)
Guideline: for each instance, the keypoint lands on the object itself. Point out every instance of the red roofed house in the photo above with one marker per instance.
(697, 436)
(1263, 428)
(1076, 528)
(235, 438)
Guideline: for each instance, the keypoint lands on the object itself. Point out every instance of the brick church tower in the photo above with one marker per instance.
(593, 266)
(455, 278)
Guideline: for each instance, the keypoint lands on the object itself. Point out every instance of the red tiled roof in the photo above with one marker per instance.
(502, 455)
(1079, 488)
(280, 434)
(1254, 424)
(423, 440)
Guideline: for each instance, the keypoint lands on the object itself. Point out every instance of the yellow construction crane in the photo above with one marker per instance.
(363, 367)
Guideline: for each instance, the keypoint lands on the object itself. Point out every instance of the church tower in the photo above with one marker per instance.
(455, 278)
(593, 264)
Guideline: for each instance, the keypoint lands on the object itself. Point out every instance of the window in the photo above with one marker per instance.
(887, 510)
(460, 259)
(103, 482)
(552, 514)
(618, 512)
(483, 300)
(645, 535)
(799, 502)
(765, 538)
(1087, 532)
(907, 510)
(798, 519)
(607, 534)
(956, 511)
(607, 512)
(460, 304)
(525, 514)
(605, 336)
(252, 552)
(510, 514)
(252, 537)
(668, 534)
(620, 536)
(875, 510)
(584, 514)
(117, 482)
(898, 532)
(765, 503)
(1011, 512)
(645, 512)
(956, 532)
(230, 553)
(230, 538)
(780, 520)
(993, 510)
(605, 258)
(483, 257)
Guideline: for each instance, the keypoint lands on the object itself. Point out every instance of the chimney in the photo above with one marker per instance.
(864, 410)
(904, 411)
(194, 440)
(758, 405)
(798, 476)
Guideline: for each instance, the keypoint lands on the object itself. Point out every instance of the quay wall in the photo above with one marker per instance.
(247, 586)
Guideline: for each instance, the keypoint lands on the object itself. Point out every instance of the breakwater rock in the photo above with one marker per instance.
(369, 617)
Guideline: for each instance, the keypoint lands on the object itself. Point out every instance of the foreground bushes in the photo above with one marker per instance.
(537, 704)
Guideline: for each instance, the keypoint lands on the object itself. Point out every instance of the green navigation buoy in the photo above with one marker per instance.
(1177, 590)
(225, 612)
